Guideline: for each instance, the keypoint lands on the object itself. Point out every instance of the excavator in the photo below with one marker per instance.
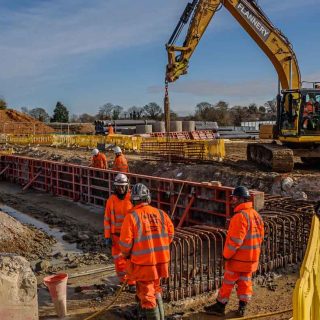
(297, 129)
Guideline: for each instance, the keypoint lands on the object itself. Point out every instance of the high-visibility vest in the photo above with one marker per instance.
(110, 130)
(114, 214)
(146, 235)
(245, 235)
(99, 161)
(120, 164)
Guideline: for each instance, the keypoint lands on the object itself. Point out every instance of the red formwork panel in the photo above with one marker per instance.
(194, 135)
(203, 135)
(182, 135)
(210, 204)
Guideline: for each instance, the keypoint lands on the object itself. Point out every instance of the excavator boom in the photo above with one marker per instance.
(298, 109)
(251, 17)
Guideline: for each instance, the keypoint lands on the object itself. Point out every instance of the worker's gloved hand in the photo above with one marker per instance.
(108, 242)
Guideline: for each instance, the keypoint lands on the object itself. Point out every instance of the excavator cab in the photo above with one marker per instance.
(299, 114)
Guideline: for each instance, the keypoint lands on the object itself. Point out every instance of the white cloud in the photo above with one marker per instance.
(41, 37)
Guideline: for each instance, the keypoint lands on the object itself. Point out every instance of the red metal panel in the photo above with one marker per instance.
(90, 185)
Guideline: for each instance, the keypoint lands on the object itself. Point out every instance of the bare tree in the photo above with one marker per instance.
(202, 110)
(116, 112)
(85, 118)
(135, 112)
(39, 114)
(238, 115)
(152, 111)
(105, 112)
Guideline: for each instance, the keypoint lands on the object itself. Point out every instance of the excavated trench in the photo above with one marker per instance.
(196, 268)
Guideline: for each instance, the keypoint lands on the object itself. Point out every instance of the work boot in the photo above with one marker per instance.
(217, 309)
(242, 308)
(140, 312)
(160, 306)
(141, 315)
(152, 314)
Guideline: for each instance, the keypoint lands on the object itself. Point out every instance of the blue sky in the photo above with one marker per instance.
(86, 53)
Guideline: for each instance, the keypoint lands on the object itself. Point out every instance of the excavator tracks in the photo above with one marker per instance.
(272, 156)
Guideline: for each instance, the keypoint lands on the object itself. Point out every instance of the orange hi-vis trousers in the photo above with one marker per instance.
(244, 286)
(147, 292)
(120, 262)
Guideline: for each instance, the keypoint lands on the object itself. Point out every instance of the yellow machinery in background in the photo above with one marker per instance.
(297, 131)
(306, 296)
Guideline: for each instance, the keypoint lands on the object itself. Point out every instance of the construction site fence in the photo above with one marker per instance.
(184, 149)
(197, 149)
(306, 297)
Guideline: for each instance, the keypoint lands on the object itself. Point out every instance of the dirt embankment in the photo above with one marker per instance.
(15, 122)
(28, 242)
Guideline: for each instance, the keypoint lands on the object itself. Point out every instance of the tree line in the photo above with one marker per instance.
(220, 112)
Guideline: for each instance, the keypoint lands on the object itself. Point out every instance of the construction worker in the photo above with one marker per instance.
(145, 238)
(110, 129)
(120, 162)
(241, 252)
(117, 207)
(99, 160)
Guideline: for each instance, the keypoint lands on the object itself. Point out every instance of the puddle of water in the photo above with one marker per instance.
(60, 246)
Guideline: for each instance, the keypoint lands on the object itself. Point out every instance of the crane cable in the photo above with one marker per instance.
(116, 297)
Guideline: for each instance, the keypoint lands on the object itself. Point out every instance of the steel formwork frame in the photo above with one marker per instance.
(211, 203)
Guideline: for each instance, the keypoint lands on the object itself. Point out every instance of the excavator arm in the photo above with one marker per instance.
(251, 17)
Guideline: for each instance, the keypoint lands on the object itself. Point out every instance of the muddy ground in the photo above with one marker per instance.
(82, 225)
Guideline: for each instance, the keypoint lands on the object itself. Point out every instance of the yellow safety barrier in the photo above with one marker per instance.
(215, 148)
(187, 149)
(212, 149)
(306, 296)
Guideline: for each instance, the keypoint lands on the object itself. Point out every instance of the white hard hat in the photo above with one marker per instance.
(121, 180)
(140, 192)
(95, 152)
(117, 149)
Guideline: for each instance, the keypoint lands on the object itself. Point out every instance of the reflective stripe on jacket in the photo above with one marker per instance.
(245, 235)
(99, 161)
(114, 214)
(120, 164)
(146, 235)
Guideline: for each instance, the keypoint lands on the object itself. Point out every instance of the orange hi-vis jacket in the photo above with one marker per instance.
(120, 164)
(115, 212)
(146, 235)
(99, 161)
(110, 130)
(244, 239)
